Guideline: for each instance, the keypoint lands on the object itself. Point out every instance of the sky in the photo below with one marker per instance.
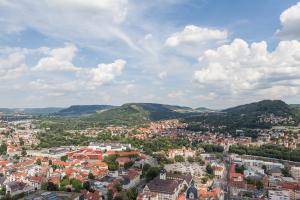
(197, 53)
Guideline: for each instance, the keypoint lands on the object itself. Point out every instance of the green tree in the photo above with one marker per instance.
(200, 161)
(91, 176)
(190, 159)
(132, 193)
(3, 191)
(209, 169)
(152, 173)
(145, 168)
(76, 184)
(118, 187)
(64, 158)
(179, 158)
(50, 186)
(64, 182)
(239, 169)
(86, 185)
(128, 164)
(3, 148)
(110, 194)
(21, 142)
(23, 152)
(285, 171)
(38, 162)
(259, 185)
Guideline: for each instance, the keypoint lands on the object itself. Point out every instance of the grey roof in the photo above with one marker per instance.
(167, 186)
(2, 179)
(275, 170)
(192, 189)
(188, 178)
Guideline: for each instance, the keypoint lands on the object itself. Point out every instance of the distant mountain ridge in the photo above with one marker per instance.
(139, 113)
(77, 110)
(276, 107)
(31, 111)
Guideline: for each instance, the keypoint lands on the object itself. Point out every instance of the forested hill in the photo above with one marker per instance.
(253, 115)
(139, 113)
(276, 107)
(77, 110)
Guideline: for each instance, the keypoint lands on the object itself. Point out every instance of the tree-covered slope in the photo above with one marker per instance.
(244, 116)
(276, 107)
(139, 113)
(296, 110)
(77, 110)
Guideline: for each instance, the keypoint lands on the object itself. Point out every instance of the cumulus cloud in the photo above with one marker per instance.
(194, 34)
(13, 66)
(240, 67)
(58, 59)
(104, 73)
(290, 22)
(36, 77)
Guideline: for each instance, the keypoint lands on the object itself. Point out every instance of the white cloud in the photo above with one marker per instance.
(59, 59)
(12, 66)
(290, 22)
(162, 75)
(240, 67)
(104, 73)
(54, 87)
(194, 34)
(80, 20)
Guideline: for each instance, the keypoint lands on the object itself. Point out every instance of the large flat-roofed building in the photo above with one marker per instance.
(109, 146)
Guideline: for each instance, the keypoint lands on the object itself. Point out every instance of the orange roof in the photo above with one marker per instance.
(36, 178)
(217, 168)
(55, 179)
(20, 174)
(3, 162)
(61, 163)
(181, 197)
(98, 164)
(211, 194)
(122, 153)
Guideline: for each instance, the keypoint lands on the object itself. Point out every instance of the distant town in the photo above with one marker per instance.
(159, 160)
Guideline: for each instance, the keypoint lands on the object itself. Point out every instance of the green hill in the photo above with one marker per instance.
(203, 109)
(243, 116)
(31, 111)
(295, 109)
(139, 113)
(276, 107)
(77, 110)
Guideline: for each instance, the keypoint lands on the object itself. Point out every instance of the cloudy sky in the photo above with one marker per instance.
(213, 53)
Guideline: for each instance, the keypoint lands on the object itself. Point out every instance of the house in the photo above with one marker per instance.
(122, 160)
(35, 181)
(275, 171)
(213, 194)
(192, 193)
(131, 179)
(184, 152)
(96, 195)
(17, 188)
(278, 195)
(218, 171)
(147, 196)
(168, 186)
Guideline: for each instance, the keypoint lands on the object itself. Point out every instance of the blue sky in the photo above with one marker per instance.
(211, 53)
